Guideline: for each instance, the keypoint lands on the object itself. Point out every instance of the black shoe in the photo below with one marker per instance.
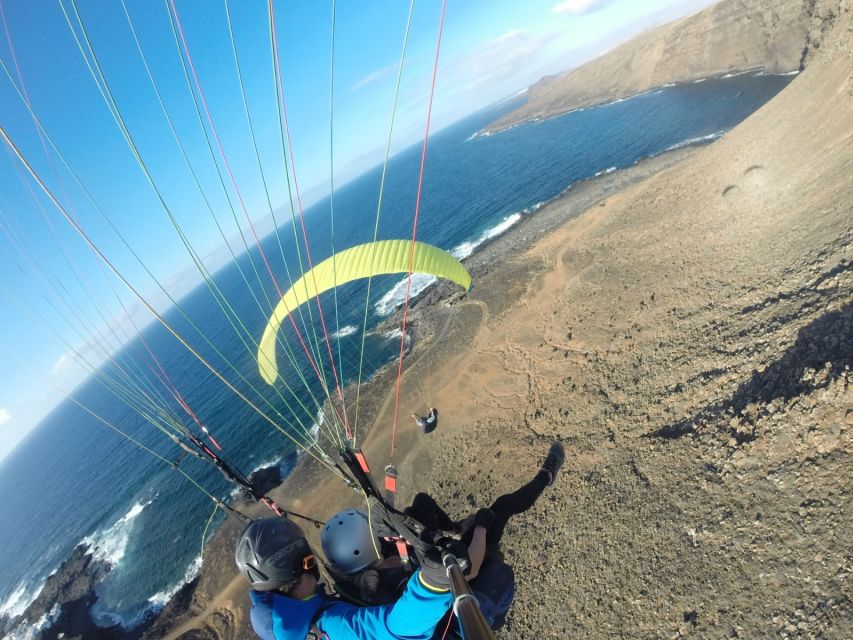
(554, 461)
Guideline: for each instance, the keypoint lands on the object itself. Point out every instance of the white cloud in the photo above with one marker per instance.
(5, 416)
(375, 76)
(578, 7)
(494, 61)
(63, 364)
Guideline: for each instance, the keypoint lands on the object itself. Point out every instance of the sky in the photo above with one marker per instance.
(61, 303)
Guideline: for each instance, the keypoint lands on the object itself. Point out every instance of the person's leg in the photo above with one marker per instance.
(514, 503)
(426, 510)
(522, 499)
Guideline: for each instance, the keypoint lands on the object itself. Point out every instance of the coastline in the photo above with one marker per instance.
(428, 317)
(319, 493)
(431, 313)
(688, 338)
(491, 130)
(727, 37)
(685, 327)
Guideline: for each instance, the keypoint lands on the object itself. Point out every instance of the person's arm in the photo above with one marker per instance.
(413, 617)
(477, 551)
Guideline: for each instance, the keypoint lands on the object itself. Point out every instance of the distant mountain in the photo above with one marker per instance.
(728, 37)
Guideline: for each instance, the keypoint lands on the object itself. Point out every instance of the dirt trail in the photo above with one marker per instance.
(690, 340)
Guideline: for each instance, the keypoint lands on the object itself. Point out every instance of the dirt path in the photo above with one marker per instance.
(690, 341)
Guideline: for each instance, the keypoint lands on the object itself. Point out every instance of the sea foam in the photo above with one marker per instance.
(397, 295)
(344, 332)
(161, 598)
(693, 141)
(18, 601)
(465, 249)
(33, 632)
(109, 545)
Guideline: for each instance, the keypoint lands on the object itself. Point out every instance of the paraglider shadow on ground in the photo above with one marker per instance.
(825, 345)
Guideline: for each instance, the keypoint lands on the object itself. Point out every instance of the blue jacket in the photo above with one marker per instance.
(412, 617)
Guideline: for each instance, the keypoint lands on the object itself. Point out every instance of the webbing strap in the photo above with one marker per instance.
(403, 552)
(391, 485)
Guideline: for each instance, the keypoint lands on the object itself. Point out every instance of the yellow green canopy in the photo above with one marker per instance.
(362, 261)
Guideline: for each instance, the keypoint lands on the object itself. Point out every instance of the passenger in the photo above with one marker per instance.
(289, 602)
(367, 569)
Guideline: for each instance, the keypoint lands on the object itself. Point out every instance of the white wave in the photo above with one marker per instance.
(693, 141)
(465, 249)
(795, 72)
(33, 632)
(103, 618)
(699, 80)
(345, 331)
(534, 208)
(604, 172)
(473, 136)
(420, 281)
(272, 462)
(161, 598)
(735, 74)
(397, 295)
(394, 334)
(18, 601)
(109, 545)
(239, 492)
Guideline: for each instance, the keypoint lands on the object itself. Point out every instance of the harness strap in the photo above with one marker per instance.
(391, 484)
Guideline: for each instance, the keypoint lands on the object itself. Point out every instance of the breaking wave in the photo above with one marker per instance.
(604, 172)
(693, 141)
(33, 632)
(161, 598)
(18, 601)
(465, 249)
(735, 74)
(397, 295)
(395, 334)
(344, 332)
(109, 545)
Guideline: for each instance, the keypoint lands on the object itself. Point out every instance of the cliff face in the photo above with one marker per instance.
(731, 36)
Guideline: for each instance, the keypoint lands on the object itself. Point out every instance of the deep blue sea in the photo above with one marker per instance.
(73, 479)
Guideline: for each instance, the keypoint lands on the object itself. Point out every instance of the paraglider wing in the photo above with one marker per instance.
(362, 261)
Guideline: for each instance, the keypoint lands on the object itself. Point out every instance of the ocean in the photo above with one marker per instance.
(73, 480)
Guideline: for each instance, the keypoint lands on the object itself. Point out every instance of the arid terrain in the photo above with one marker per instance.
(686, 329)
(731, 36)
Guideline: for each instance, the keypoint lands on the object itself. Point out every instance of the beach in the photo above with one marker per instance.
(684, 328)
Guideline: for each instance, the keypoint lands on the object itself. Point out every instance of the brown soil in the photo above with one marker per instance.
(689, 338)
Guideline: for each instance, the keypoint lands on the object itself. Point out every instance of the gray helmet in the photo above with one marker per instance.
(273, 553)
(348, 542)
